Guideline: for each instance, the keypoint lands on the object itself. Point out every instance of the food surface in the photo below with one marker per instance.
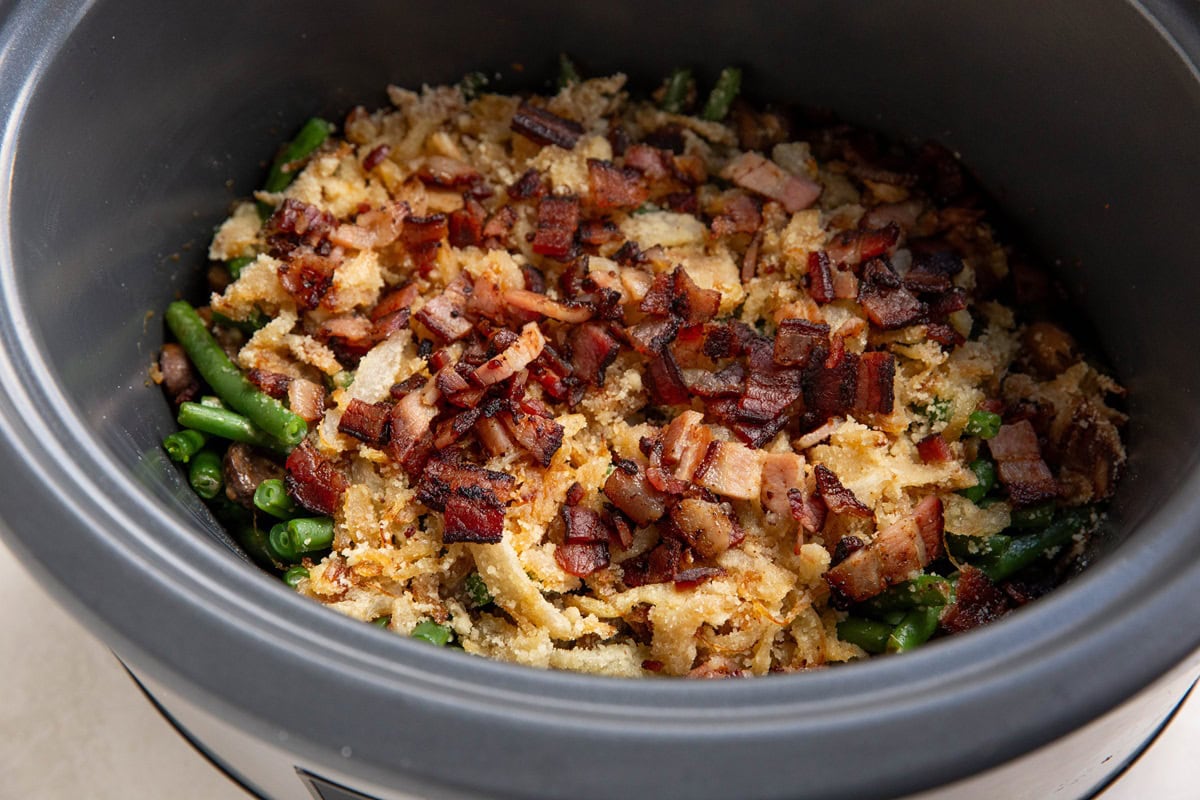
(675, 386)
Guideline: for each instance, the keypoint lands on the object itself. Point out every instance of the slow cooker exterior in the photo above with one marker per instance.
(127, 120)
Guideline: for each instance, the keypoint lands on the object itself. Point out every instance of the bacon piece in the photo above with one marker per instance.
(888, 304)
(876, 379)
(1019, 464)
(496, 229)
(752, 171)
(537, 303)
(472, 514)
(367, 422)
(306, 399)
(796, 340)
(611, 186)
(465, 227)
(514, 358)
(583, 524)
(906, 214)
(896, 553)
(837, 497)
(542, 127)
(770, 389)
(394, 301)
(295, 224)
(494, 436)
(820, 277)
(557, 221)
(307, 276)
(312, 480)
(658, 566)
(541, 436)
(270, 383)
(446, 474)
(807, 509)
(736, 213)
(708, 527)
(934, 449)
(409, 423)
(448, 173)
(444, 315)
(652, 162)
(933, 271)
(629, 490)
(676, 294)
(727, 382)
(732, 470)
(376, 157)
(781, 473)
(845, 284)
(178, 377)
(977, 601)
(581, 558)
(422, 236)
(350, 336)
(944, 334)
(664, 379)
(593, 349)
(688, 579)
(831, 387)
(685, 443)
(863, 244)
(372, 229)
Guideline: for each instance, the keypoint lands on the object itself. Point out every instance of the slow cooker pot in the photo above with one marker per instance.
(131, 126)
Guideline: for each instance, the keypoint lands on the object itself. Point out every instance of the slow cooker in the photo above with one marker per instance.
(131, 126)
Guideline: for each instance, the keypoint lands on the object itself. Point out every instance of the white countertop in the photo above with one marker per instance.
(73, 724)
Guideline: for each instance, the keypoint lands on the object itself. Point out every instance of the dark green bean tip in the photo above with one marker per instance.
(310, 534)
(311, 136)
(204, 474)
(567, 71)
(675, 95)
(294, 575)
(729, 84)
(871, 635)
(985, 473)
(477, 590)
(983, 424)
(271, 497)
(382, 622)
(433, 633)
(235, 265)
(182, 445)
(914, 629)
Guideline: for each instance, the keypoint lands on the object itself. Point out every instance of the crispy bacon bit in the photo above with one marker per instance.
(422, 236)
(350, 336)
(557, 221)
(665, 380)
(444, 315)
(449, 173)
(862, 245)
(752, 171)
(446, 474)
(409, 424)
(515, 357)
(736, 213)
(807, 509)
(581, 558)
(593, 349)
(676, 294)
(496, 229)
(178, 377)
(611, 186)
(307, 399)
(690, 578)
(542, 127)
(731, 469)
(707, 527)
(307, 276)
(372, 229)
(727, 382)
(831, 388)
(837, 497)
(1019, 464)
(876, 379)
(652, 162)
(977, 601)
(394, 301)
(658, 566)
(583, 524)
(888, 304)
(367, 422)
(312, 480)
(933, 272)
(796, 340)
(376, 157)
(633, 494)
(845, 284)
(685, 443)
(472, 514)
(934, 449)
(536, 303)
(296, 224)
(466, 224)
(770, 389)
(539, 435)
(494, 436)
(820, 277)
(944, 334)
(896, 553)
(781, 473)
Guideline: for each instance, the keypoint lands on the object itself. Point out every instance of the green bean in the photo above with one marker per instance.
(280, 542)
(271, 497)
(211, 401)
(914, 630)
(868, 634)
(235, 265)
(923, 590)
(248, 326)
(983, 424)
(311, 136)
(430, 631)
(310, 534)
(227, 380)
(1038, 516)
(294, 575)
(382, 622)
(1001, 556)
(985, 473)
(225, 424)
(477, 590)
(567, 72)
(256, 543)
(182, 445)
(729, 83)
(204, 475)
(675, 96)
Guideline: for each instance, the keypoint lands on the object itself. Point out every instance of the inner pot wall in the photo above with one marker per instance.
(129, 122)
